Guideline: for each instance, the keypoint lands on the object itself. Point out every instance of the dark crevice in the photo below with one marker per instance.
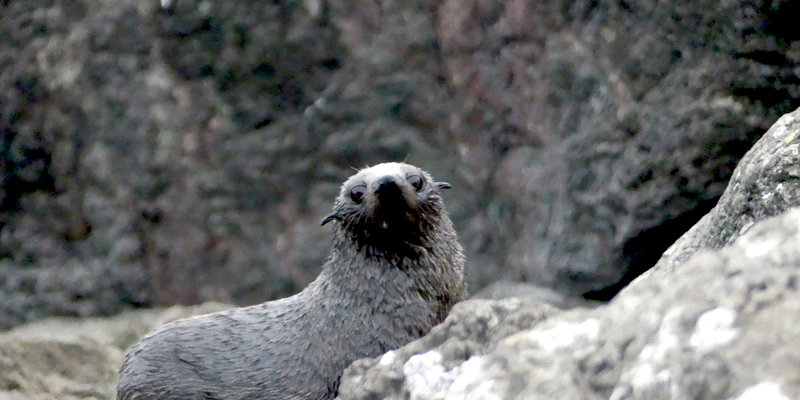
(774, 88)
(641, 252)
(264, 70)
(263, 123)
(332, 64)
(766, 57)
(15, 184)
(227, 81)
(781, 20)
(205, 27)
(207, 70)
(778, 100)
(28, 88)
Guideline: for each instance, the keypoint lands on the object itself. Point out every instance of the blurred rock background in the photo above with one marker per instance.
(157, 153)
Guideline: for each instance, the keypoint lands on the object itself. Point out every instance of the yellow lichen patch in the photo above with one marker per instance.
(791, 136)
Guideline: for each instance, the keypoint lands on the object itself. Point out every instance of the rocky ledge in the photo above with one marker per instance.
(66, 358)
(722, 327)
(716, 319)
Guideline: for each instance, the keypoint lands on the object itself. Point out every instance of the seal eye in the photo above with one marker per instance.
(415, 181)
(357, 192)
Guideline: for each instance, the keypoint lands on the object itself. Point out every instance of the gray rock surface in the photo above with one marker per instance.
(766, 183)
(154, 156)
(507, 289)
(76, 368)
(67, 358)
(720, 327)
(715, 322)
(472, 328)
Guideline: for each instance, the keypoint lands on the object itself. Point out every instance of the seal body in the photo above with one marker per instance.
(394, 271)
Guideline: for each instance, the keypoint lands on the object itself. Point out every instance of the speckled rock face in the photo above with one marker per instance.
(152, 156)
(722, 326)
(764, 184)
(72, 359)
(710, 322)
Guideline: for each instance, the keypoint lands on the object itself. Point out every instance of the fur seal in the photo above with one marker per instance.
(394, 271)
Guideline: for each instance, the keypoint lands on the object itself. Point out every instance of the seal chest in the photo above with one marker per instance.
(394, 271)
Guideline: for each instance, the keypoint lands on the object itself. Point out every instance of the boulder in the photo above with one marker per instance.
(68, 358)
(722, 326)
(176, 152)
(508, 289)
(77, 368)
(714, 320)
(766, 183)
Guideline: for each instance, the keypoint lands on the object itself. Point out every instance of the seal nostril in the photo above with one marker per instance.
(385, 180)
(387, 185)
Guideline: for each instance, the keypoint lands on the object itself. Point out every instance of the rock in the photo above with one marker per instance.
(472, 328)
(604, 130)
(177, 152)
(691, 328)
(58, 369)
(722, 326)
(765, 183)
(506, 289)
(63, 358)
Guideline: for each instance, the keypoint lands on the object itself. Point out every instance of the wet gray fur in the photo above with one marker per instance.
(395, 270)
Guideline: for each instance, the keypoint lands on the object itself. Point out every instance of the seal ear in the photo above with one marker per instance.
(330, 217)
(443, 185)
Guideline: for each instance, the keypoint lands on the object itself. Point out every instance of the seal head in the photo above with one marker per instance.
(389, 209)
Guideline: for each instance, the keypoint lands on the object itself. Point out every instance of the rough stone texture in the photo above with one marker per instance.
(57, 369)
(472, 328)
(766, 183)
(64, 359)
(720, 327)
(507, 289)
(715, 326)
(153, 156)
(612, 126)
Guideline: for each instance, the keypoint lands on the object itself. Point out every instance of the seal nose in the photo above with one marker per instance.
(387, 184)
(386, 180)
